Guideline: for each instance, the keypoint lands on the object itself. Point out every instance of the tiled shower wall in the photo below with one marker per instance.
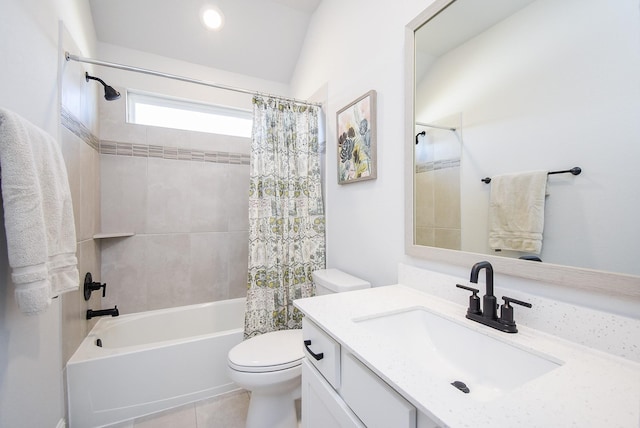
(79, 144)
(83, 171)
(438, 207)
(184, 195)
(437, 187)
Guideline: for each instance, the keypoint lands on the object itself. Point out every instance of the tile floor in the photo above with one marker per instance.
(225, 411)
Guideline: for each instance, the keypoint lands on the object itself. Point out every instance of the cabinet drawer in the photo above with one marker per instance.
(322, 351)
(371, 399)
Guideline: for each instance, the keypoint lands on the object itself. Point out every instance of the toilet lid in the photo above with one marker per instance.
(277, 350)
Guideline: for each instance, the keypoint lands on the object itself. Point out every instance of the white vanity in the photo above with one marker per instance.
(390, 356)
(338, 390)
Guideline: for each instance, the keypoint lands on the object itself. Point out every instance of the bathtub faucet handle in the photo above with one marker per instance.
(90, 286)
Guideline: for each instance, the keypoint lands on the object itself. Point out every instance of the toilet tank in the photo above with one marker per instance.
(329, 281)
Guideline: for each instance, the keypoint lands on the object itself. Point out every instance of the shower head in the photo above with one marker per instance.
(110, 94)
(420, 133)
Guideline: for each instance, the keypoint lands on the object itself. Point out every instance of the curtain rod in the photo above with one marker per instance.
(71, 57)
(446, 128)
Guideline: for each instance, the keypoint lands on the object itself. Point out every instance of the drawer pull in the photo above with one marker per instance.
(318, 356)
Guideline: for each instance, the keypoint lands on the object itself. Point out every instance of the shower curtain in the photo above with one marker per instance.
(286, 214)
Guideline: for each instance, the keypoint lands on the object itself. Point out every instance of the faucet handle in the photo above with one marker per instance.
(473, 290)
(506, 311)
(91, 286)
(474, 300)
(508, 300)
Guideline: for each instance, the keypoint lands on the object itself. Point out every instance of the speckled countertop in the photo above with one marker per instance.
(589, 389)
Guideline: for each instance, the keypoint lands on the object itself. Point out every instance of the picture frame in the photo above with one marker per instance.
(356, 143)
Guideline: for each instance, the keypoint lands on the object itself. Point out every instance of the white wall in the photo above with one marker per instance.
(30, 347)
(354, 47)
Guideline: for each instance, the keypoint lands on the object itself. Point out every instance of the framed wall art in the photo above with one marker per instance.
(356, 125)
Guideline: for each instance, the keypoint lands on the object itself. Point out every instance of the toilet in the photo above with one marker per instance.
(269, 365)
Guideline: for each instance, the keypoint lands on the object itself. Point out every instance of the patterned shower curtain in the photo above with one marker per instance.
(286, 215)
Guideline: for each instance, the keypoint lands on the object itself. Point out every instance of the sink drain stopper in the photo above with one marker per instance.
(461, 386)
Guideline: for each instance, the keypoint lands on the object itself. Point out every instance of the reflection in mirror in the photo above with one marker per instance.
(529, 85)
(437, 183)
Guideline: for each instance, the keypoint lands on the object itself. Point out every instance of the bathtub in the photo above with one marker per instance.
(152, 361)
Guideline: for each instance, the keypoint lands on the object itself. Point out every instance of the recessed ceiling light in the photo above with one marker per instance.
(212, 18)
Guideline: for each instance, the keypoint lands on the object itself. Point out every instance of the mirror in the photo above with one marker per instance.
(505, 86)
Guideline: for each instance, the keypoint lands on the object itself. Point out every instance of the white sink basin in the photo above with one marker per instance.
(452, 352)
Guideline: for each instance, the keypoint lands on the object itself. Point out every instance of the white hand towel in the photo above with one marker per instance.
(516, 211)
(38, 214)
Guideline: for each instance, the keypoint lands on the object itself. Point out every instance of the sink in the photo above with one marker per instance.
(470, 361)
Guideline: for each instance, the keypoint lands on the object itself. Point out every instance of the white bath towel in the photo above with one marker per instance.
(516, 211)
(38, 214)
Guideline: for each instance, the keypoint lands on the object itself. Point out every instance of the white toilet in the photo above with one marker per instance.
(269, 365)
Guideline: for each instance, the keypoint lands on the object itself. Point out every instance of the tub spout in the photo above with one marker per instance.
(113, 312)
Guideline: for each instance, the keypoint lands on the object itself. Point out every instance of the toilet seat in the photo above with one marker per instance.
(269, 352)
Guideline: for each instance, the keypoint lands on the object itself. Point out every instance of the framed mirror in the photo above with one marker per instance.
(504, 86)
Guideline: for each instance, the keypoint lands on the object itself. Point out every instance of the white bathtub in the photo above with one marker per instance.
(152, 361)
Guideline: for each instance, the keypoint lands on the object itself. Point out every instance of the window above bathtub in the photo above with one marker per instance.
(158, 110)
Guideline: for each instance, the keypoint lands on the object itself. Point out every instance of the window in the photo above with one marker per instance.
(157, 110)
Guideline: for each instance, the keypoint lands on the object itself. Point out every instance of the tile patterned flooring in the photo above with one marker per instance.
(225, 411)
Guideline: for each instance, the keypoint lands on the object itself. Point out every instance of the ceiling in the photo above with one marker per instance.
(260, 38)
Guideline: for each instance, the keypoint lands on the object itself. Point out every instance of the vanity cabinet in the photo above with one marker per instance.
(322, 407)
(340, 391)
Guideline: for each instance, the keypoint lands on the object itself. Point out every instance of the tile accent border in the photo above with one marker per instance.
(171, 153)
(433, 166)
(69, 121)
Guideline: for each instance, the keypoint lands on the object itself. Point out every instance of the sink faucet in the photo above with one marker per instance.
(489, 305)
(488, 314)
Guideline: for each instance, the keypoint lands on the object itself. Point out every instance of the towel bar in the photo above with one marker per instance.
(576, 170)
